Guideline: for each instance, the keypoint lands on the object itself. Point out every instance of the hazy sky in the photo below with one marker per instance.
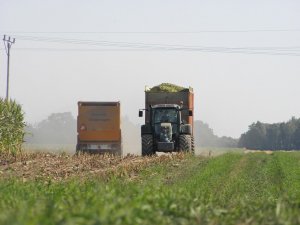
(121, 46)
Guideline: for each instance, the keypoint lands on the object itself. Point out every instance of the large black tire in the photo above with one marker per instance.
(193, 144)
(185, 143)
(147, 145)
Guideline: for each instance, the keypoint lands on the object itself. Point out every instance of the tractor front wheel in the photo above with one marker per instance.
(193, 144)
(147, 145)
(185, 143)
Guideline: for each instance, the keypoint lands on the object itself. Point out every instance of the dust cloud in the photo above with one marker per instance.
(58, 133)
(131, 137)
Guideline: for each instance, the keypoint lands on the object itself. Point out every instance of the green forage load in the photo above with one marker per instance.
(167, 87)
(11, 127)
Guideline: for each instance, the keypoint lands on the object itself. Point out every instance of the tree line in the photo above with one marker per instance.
(60, 128)
(205, 137)
(277, 136)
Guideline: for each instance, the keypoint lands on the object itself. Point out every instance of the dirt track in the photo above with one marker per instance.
(255, 151)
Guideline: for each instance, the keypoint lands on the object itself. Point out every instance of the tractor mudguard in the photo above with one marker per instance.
(186, 129)
(146, 129)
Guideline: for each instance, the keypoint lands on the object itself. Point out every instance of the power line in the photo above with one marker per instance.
(141, 44)
(154, 46)
(138, 46)
(153, 32)
(174, 50)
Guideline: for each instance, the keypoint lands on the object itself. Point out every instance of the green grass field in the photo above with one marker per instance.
(233, 188)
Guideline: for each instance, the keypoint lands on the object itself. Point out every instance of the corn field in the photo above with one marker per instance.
(11, 127)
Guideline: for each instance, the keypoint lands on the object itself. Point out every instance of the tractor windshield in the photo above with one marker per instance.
(165, 115)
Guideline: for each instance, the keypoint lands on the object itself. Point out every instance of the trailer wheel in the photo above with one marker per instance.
(147, 145)
(185, 143)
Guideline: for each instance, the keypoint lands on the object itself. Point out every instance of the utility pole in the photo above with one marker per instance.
(8, 43)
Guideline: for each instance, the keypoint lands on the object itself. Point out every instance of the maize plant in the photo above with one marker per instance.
(11, 127)
(167, 87)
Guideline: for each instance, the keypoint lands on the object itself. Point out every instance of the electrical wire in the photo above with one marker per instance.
(134, 46)
(133, 50)
(139, 44)
(152, 32)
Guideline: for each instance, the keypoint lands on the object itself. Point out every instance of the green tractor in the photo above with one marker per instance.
(165, 130)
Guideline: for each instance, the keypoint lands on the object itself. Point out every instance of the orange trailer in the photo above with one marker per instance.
(99, 127)
(186, 99)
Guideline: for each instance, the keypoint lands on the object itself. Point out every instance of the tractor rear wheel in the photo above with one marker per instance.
(185, 143)
(147, 145)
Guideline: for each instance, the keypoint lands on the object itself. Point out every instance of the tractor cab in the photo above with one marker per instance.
(165, 119)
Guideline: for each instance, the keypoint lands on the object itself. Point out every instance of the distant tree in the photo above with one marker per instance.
(278, 136)
(58, 128)
(273, 137)
(227, 142)
(205, 137)
(255, 137)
